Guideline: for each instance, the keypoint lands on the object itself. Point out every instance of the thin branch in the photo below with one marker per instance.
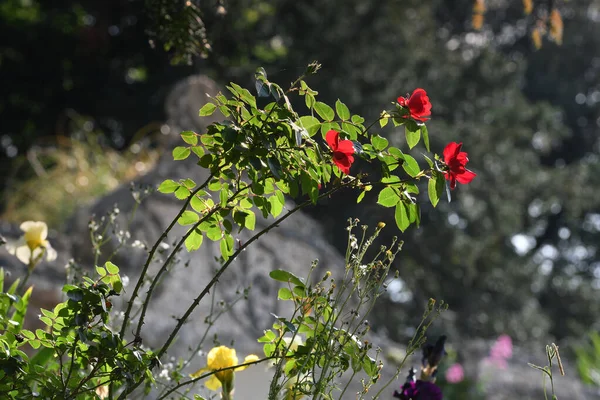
(194, 380)
(153, 251)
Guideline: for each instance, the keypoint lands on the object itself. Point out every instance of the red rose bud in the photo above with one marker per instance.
(418, 105)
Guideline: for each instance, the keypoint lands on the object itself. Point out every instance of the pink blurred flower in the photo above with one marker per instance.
(455, 373)
(501, 351)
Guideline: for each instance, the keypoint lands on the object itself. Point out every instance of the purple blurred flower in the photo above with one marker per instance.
(455, 373)
(419, 390)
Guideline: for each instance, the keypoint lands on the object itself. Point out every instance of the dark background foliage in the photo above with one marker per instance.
(514, 252)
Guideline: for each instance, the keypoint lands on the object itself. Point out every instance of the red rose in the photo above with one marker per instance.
(456, 161)
(343, 151)
(418, 104)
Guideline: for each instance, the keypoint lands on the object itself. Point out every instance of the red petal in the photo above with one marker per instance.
(419, 91)
(332, 138)
(462, 158)
(346, 147)
(452, 178)
(343, 162)
(402, 101)
(466, 177)
(451, 151)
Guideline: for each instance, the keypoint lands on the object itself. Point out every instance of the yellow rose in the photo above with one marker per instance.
(33, 244)
(219, 358)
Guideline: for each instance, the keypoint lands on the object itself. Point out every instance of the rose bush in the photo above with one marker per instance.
(262, 151)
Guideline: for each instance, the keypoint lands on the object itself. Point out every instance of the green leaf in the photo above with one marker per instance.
(188, 218)
(342, 110)
(388, 197)
(100, 271)
(276, 205)
(224, 195)
(200, 204)
(309, 100)
(42, 356)
(111, 268)
(351, 130)
(214, 233)
(245, 95)
(190, 137)
(207, 109)
(21, 308)
(226, 246)
(413, 136)
(27, 334)
(181, 153)
(379, 143)
(188, 183)
(194, 240)
(168, 186)
(285, 276)
(324, 111)
(182, 193)
(198, 151)
(285, 294)
(401, 216)
(435, 188)
(357, 119)
(411, 166)
(360, 196)
(310, 123)
(250, 221)
(414, 214)
(425, 134)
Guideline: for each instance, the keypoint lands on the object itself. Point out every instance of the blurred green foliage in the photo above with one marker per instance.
(588, 360)
(516, 251)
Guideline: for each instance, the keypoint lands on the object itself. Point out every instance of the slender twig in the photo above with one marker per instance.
(99, 364)
(215, 279)
(172, 255)
(70, 366)
(164, 267)
(153, 251)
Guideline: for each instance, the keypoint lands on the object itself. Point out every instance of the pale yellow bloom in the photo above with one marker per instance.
(219, 358)
(102, 391)
(290, 392)
(292, 344)
(33, 244)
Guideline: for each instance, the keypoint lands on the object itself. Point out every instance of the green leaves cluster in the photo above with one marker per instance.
(330, 315)
(76, 351)
(326, 346)
(265, 150)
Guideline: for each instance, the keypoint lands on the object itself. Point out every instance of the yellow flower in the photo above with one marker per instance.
(219, 358)
(291, 391)
(293, 344)
(33, 244)
(102, 391)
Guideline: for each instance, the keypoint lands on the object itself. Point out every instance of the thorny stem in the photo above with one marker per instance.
(151, 255)
(215, 279)
(168, 261)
